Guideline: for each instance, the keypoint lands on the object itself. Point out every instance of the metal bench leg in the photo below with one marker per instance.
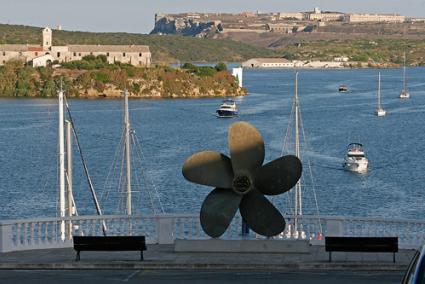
(393, 257)
(141, 255)
(330, 256)
(77, 258)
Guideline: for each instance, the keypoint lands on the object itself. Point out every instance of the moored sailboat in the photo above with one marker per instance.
(380, 111)
(295, 132)
(404, 94)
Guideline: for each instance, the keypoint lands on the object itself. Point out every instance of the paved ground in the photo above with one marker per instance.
(163, 257)
(198, 276)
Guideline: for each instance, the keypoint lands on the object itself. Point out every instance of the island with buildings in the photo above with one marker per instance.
(93, 71)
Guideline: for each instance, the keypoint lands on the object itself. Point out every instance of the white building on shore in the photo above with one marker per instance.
(42, 55)
(284, 63)
(268, 63)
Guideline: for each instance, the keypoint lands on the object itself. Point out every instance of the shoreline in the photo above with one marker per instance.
(120, 98)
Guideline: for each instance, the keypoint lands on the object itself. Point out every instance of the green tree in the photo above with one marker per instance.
(221, 66)
(8, 78)
(24, 84)
(49, 89)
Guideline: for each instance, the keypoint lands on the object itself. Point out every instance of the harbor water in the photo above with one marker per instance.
(171, 130)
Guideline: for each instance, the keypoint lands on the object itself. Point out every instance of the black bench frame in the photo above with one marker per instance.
(109, 243)
(361, 244)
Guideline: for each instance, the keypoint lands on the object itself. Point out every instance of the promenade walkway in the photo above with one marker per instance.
(164, 257)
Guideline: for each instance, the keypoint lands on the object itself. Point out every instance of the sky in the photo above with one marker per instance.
(137, 16)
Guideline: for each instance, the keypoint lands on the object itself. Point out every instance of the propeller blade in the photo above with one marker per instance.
(218, 210)
(261, 215)
(246, 147)
(279, 175)
(209, 168)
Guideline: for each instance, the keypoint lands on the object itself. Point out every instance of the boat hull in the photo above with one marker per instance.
(380, 112)
(357, 166)
(226, 113)
(404, 95)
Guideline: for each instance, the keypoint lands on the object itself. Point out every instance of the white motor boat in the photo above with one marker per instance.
(356, 160)
(227, 109)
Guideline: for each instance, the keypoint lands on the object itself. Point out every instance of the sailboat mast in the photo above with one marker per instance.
(61, 165)
(69, 197)
(379, 90)
(404, 71)
(298, 194)
(127, 151)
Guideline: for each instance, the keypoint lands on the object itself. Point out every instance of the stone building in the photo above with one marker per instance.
(296, 15)
(318, 15)
(42, 55)
(362, 18)
(281, 28)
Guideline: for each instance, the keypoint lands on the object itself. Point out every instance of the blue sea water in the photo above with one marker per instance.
(171, 130)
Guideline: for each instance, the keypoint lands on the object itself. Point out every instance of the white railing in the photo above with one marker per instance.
(43, 233)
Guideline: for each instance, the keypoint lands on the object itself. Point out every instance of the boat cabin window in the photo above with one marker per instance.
(356, 155)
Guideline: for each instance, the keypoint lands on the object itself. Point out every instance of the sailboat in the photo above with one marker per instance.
(404, 94)
(294, 132)
(67, 205)
(128, 189)
(380, 111)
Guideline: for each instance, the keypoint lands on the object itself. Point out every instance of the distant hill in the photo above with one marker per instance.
(164, 48)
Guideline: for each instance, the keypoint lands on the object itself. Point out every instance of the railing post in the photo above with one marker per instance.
(6, 242)
(165, 230)
(334, 228)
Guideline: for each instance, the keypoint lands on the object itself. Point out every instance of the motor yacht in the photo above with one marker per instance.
(355, 159)
(227, 109)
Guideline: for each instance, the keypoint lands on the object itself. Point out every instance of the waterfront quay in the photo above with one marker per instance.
(178, 276)
(163, 265)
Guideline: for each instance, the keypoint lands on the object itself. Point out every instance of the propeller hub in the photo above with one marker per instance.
(242, 184)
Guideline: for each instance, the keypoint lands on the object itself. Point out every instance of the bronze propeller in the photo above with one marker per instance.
(241, 181)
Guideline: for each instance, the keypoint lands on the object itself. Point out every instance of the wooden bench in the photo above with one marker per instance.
(109, 243)
(361, 244)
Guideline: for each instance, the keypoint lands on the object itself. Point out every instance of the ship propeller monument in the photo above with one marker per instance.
(241, 181)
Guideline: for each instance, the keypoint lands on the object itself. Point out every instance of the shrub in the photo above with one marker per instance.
(221, 66)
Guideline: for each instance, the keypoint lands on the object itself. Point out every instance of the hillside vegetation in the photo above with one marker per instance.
(94, 77)
(164, 48)
(376, 52)
(382, 46)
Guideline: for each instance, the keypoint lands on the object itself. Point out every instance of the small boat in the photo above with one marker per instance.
(355, 161)
(404, 94)
(227, 109)
(343, 89)
(380, 111)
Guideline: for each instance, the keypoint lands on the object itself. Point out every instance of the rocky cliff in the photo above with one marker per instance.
(185, 26)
